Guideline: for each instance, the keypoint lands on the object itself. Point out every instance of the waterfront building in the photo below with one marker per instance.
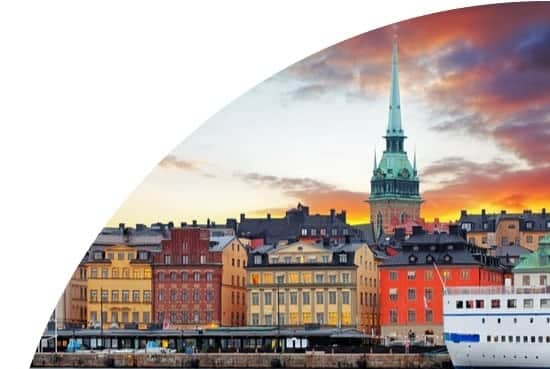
(533, 270)
(394, 197)
(304, 283)
(297, 224)
(505, 229)
(199, 279)
(412, 281)
(119, 287)
(70, 311)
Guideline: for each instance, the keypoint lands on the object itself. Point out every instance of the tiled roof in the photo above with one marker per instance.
(539, 221)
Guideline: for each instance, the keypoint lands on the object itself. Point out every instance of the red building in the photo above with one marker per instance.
(187, 279)
(411, 282)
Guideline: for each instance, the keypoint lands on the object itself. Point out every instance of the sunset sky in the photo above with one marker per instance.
(475, 102)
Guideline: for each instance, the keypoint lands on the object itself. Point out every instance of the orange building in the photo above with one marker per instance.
(411, 282)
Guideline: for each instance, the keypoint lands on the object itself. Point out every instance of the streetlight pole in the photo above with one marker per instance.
(278, 321)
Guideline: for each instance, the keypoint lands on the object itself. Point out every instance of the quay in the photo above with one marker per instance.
(242, 360)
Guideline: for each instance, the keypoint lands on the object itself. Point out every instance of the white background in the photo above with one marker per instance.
(93, 94)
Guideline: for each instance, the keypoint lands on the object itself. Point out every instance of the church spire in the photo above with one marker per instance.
(394, 118)
(375, 165)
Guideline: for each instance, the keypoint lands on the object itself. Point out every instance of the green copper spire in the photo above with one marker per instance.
(394, 118)
(375, 164)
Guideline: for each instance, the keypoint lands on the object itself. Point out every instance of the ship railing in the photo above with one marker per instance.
(495, 290)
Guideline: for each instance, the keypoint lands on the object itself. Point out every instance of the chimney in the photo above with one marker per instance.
(526, 211)
(503, 212)
(208, 223)
(121, 227)
(463, 213)
(348, 239)
(342, 216)
(332, 213)
(183, 224)
(194, 223)
(268, 216)
(399, 233)
(242, 217)
(170, 225)
(417, 230)
(483, 212)
(543, 212)
(213, 224)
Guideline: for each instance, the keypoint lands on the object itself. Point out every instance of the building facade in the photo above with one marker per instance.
(394, 197)
(199, 279)
(533, 270)
(505, 229)
(119, 287)
(412, 281)
(70, 311)
(304, 283)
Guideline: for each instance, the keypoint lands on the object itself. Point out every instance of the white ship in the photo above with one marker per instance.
(497, 327)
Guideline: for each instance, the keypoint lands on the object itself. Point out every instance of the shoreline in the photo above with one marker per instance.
(241, 360)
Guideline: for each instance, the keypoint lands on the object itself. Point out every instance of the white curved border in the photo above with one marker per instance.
(93, 95)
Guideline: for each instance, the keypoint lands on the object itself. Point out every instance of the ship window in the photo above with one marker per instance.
(469, 304)
(480, 304)
(545, 303)
(528, 303)
(498, 320)
(495, 304)
(525, 339)
(531, 320)
(533, 339)
(540, 339)
(547, 320)
(515, 320)
(488, 338)
(483, 320)
(511, 303)
(511, 339)
(518, 339)
(503, 339)
(547, 339)
(495, 338)
(459, 304)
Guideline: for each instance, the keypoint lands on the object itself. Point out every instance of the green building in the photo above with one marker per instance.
(533, 270)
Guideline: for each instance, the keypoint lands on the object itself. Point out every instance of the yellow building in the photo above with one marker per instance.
(119, 287)
(368, 288)
(304, 283)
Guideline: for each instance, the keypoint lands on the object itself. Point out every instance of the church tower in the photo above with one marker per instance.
(394, 196)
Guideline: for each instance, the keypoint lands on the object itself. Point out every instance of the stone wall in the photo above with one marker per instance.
(308, 360)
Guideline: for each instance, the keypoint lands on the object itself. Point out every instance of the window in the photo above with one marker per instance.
(393, 294)
(114, 273)
(173, 295)
(319, 278)
(545, 303)
(411, 275)
(114, 316)
(305, 298)
(268, 319)
(334, 231)
(293, 277)
(161, 295)
(196, 295)
(480, 304)
(93, 274)
(267, 298)
(304, 231)
(411, 316)
(323, 232)
(320, 318)
(464, 275)
(343, 258)
(511, 303)
(98, 255)
(495, 304)
(345, 278)
(428, 317)
(255, 298)
(281, 298)
(332, 297)
(446, 275)
(185, 259)
(332, 278)
(197, 276)
(146, 297)
(528, 304)
(319, 297)
(325, 259)
(293, 298)
(93, 296)
(542, 280)
(529, 239)
(393, 316)
(125, 296)
(104, 295)
(526, 280)
(104, 273)
(429, 275)
(459, 304)
(428, 294)
(313, 232)
(135, 296)
(258, 259)
(255, 319)
(114, 295)
(345, 298)
(161, 276)
(196, 316)
(393, 275)
(203, 259)
(110, 255)
(280, 279)
(167, 259)
(411, 294)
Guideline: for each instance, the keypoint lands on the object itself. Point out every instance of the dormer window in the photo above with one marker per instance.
(415, 248)
(429, 259)
(143, 255)
(529, 225)
(433, 248)
(343, 258)
(450, 247)
(467, 226)
(413, 259)
(485, 226)
(548, 224)
(257, 259)
(304, 231)
(98, 255)
(313, 232)
(447, 258)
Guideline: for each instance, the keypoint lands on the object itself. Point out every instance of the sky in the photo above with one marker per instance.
(475, 106)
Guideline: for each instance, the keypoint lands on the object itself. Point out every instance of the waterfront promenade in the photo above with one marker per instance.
(240, 360)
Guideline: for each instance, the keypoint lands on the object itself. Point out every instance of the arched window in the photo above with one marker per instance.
(379, 223)
(403, 217)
